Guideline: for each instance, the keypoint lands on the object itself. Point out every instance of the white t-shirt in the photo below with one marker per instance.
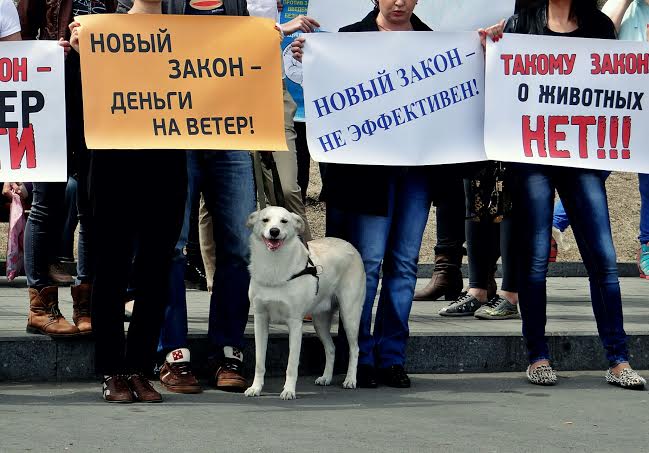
(9, 21)
(263, 8)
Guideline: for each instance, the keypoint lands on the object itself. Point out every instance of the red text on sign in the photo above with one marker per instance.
(543, 138)
(538, 64)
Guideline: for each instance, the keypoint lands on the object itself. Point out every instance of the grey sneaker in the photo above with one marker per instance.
(497, 308)
(465, 305)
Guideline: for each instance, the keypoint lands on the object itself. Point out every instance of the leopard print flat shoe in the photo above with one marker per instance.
(541, 375)
(627, 379)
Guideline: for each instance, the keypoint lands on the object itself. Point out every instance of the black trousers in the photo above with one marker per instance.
(450, 204)
(138, 202)
(486, 242)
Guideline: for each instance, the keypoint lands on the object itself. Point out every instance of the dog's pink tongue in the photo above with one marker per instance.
(273, 244)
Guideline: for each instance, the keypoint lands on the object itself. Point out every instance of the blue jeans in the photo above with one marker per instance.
(45, 228)
(584, 196)
(394, 241)
(225, 178)
(70, 215)
(560, 218)
(644, 208)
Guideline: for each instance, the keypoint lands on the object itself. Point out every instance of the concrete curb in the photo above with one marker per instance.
(42, 359)
(425, 270)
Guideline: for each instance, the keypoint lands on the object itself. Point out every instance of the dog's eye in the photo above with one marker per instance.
(284, 221)
(265, 220)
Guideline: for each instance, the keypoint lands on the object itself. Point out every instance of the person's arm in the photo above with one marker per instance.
(615, 9)
(32, 17)
(9, 21)
(11, 37)
(305, 24)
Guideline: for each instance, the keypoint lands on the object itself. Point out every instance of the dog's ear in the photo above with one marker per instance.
(298, 222)
(252, 219)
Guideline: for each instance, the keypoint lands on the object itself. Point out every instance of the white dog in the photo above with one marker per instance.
(289, 281)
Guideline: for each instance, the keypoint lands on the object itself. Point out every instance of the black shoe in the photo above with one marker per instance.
(395, 376)
(366, 377)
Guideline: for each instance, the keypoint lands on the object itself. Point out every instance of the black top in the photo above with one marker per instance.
(571, 34)
(83, 7)
(362, 189)
(534, 21)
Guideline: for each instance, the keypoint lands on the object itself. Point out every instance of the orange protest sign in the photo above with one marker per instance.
(181, 82)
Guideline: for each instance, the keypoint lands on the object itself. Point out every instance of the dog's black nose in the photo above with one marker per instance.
(274, 232)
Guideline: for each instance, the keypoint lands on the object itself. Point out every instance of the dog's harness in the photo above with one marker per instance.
(309, 269)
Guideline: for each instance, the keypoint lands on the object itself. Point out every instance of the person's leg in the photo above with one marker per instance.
(286, 163)
(43, 232)
(369, 235)
(42, 235)
(534, 197)
(194, 267)
(113, 245)
(584, 196)
(411, 206)
(228, 189)
(303, 158)
(81, 291)
(559, 218)
(449, 200)
(66, 246)
(483, 250)
(643, 253)
(510, 261)
(644, 208)
(158, 229)
(206, 239)
(173, 334)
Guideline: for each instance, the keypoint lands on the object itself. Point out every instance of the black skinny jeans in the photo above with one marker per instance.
(146, 225)
(486, 242)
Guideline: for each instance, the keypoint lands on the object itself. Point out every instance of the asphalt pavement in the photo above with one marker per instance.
(486, 412)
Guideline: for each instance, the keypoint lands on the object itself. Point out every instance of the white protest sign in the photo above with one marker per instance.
(569, 102)
(398, 98)
(32, 112)
(440, 15)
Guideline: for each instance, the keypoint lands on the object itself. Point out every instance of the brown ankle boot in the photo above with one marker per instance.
(81, 307)
(446, 280)
(44, 315)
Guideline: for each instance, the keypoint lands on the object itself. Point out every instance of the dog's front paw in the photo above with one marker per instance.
(253, 391)
(349, 383)
(287, 394)
(323, 380)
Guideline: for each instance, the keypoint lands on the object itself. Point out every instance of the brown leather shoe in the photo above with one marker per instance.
(176, 374)
(44, 315)
(446, 280)
(142, 389)
(58, 275)
(229, 376)
(81, 307)
(116, 389)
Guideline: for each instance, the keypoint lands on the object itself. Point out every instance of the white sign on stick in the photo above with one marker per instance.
(568, 102)
(440, 15)
(32, 112)
(399, 98)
